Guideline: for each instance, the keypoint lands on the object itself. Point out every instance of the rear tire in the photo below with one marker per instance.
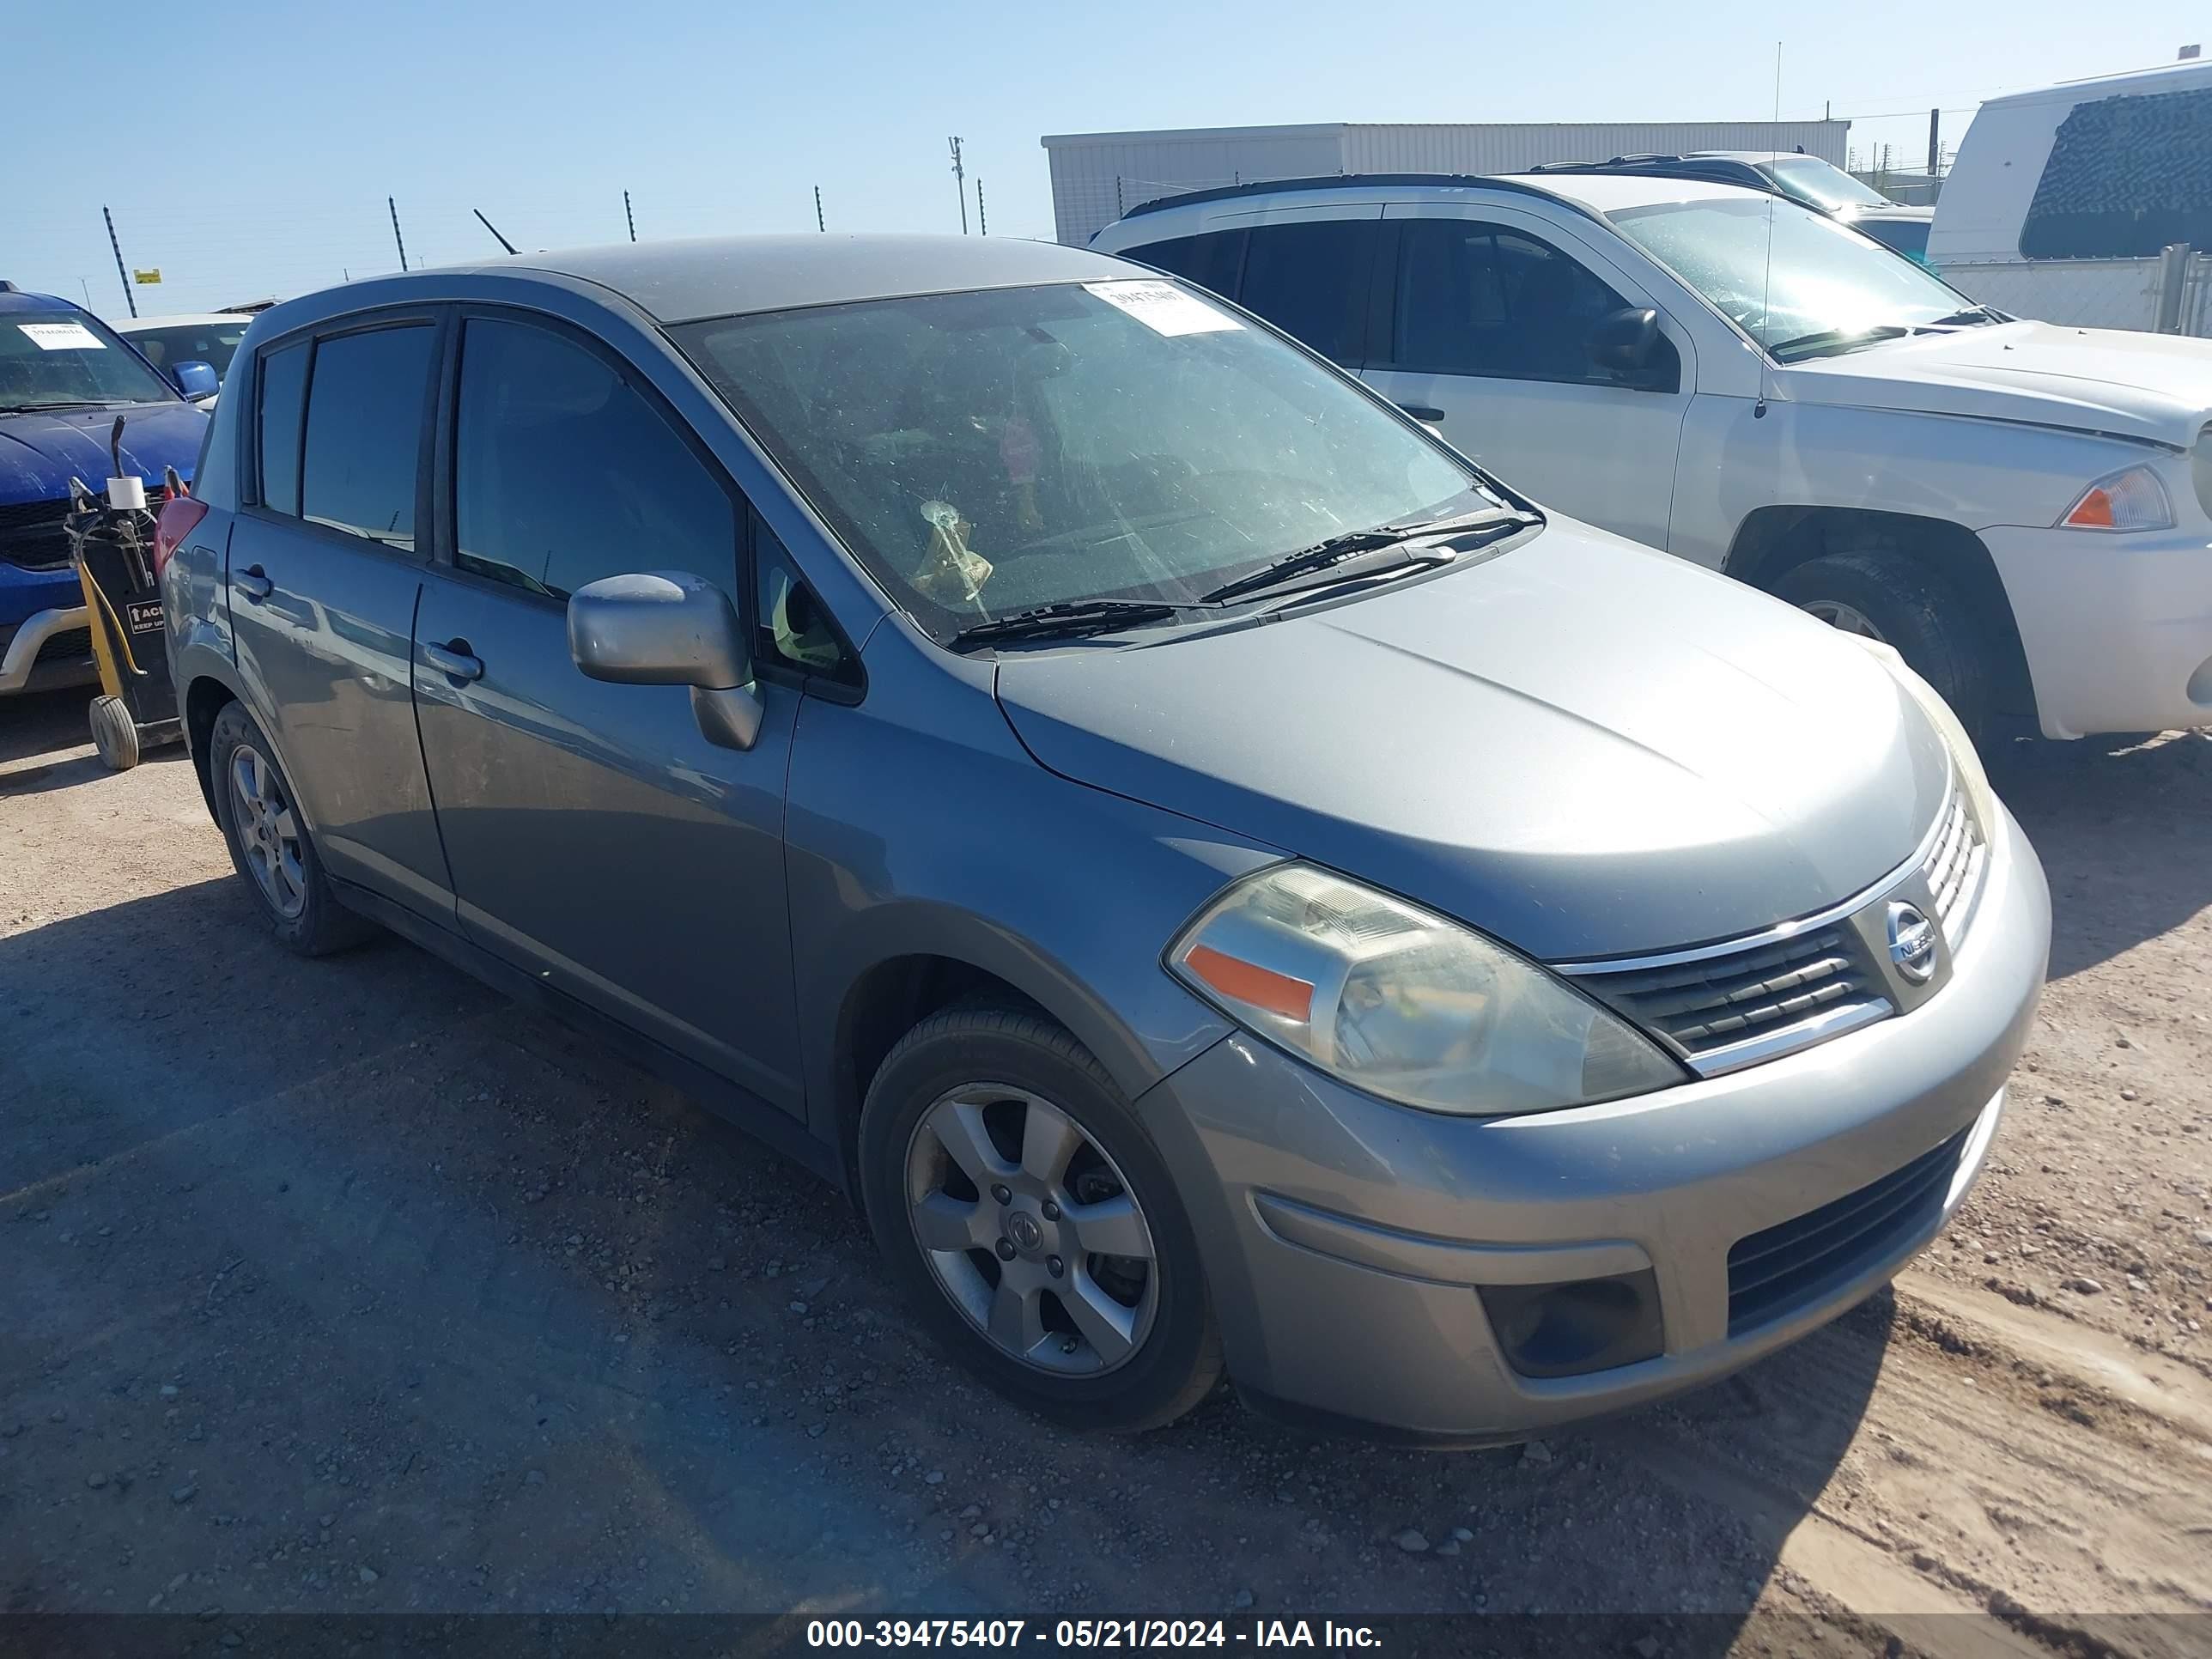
(1892, 597)
(114, 733)
(1112, 1339)
(269, 843)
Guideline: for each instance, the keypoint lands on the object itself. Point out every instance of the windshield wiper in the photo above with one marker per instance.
(1971, 317)
(1834, 339)
(1067, 619)
(1337, 548)
(53, 402)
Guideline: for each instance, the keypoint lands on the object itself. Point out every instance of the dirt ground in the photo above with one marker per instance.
(347, 1287)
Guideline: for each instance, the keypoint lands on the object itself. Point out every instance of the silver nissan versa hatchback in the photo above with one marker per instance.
(1224, 883)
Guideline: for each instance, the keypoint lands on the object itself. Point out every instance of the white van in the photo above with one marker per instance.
(2025, 511)
(2062, 200)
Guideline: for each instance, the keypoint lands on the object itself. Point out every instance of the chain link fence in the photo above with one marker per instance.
(2089, 293)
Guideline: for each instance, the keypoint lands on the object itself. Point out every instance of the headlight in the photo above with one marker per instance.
(1973, 776)
(2132, 499)
(1404, 1004)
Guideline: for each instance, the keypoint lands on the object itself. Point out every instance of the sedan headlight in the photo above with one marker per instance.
(1405, 1004)
(1973, 776)
(2132, 499)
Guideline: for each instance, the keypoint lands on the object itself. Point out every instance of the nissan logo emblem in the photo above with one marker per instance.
(1912, 943)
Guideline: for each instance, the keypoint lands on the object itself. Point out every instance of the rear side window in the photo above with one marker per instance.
(283, 400)
(1211, 260)
(562, 474)
(1481, 298)
(2126, 177)
(1309, 279)
(366, 397)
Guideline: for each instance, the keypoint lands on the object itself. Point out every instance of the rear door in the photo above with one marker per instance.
(1489, 313)
(325, 565)
(1306, 270)
(598, 840)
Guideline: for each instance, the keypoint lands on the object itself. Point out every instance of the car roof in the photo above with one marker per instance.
(684, 281)
(184, 319)
(15, 299)
(1608, 192)
(1591, 192)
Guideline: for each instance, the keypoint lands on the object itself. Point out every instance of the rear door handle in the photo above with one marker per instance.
(254, 583)
(454, 659)
(1423, 412)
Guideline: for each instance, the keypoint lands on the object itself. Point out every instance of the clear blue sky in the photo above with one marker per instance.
(259, 163)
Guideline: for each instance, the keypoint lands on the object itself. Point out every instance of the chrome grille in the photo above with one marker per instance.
(1953, 870)
(1712, 1004)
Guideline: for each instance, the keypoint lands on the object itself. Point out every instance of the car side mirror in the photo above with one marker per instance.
(194, 380)
(670, 627)
(1624, 341)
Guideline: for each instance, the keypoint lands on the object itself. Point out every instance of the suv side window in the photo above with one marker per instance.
(563, 473)
(1212, 259)
(366, 395)
(795, 631)
(283, 401)
(1475, 298)
(1309, 279)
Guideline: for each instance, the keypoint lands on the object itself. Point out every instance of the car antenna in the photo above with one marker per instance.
(494, 229)
(1766, 287)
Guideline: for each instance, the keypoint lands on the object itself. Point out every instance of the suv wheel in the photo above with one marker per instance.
(1034, 1223)
(269, 845)
(1891, 597)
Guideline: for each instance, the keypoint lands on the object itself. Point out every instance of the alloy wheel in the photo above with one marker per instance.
(1846, 618)
(1031, 1229)
(268, 832)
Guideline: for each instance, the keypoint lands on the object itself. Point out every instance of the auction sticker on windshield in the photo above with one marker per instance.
(62, 336)
(1163, 308)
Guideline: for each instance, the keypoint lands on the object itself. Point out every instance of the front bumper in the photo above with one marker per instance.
(40, 655)
(1343, 1236)
(2117, 628)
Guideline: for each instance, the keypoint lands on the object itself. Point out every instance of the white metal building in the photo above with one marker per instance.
(1099, 176)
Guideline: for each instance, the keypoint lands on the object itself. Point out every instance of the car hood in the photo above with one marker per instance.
(2154, 386)
(1584, 747)
(41, 449)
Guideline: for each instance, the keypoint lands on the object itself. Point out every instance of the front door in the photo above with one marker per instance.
(1491, 319)
(323, 571)
(597, 840)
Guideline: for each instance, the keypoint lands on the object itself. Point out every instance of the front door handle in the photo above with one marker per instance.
(254, 583)
(454, 659)
(1423, 412)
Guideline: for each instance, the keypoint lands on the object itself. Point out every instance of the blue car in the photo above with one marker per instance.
(64, 376)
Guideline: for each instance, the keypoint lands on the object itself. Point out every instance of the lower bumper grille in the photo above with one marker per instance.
(70, 645)
(1798, 1262)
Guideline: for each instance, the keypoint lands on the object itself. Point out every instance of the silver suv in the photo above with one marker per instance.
(1224, 883)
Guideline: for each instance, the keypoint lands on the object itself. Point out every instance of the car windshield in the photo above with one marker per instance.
(987, 453)
(1822, 287)
(69, 357)
(212, 343)
(1820, 183)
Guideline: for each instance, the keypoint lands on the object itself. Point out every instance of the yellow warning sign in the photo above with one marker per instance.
(153, 275)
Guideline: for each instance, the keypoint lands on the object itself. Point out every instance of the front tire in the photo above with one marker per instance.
(269, 845)
(1033, 1224)
(1891, 597)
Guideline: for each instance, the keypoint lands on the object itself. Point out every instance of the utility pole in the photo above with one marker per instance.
(818, 224)
(1935, 142)
(87, 287)
(122, 275)
(627, 219)
(960, 183)
(396, 237)
(982, 224)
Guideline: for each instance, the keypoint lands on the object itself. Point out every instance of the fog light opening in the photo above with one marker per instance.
(1576, 1326)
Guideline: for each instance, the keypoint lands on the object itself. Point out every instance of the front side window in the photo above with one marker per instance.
(563, 474)
(366, 396)
(1797, 282)
(1475, 298)
(212, 343)
(69, 359)
(1308, 277)
(988, 452)
(2126, 177)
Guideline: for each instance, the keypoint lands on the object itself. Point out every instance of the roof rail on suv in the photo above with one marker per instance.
(1334, 182)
